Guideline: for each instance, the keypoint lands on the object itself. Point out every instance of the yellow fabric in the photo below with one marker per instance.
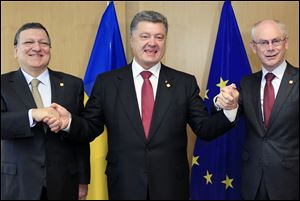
(98, 185)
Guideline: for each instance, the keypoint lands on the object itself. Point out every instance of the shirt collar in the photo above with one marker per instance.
(137, 69)
(43, 78)
(278, 71)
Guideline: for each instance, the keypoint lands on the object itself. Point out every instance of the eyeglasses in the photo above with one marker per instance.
(276, 42)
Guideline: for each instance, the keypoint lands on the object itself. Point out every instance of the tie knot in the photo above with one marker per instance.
(146, 74)
(35, 82)
(269, 77)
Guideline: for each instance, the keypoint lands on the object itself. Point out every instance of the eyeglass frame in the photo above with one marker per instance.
(275, 42)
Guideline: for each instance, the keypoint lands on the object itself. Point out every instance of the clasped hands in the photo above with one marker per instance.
(228, 97)
(55, 116)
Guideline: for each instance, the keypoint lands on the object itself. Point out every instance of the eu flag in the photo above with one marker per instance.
(107, 54)
(216, 166)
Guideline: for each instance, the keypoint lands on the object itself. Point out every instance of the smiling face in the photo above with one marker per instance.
(270, 44)
(148, 42)
(33, 51)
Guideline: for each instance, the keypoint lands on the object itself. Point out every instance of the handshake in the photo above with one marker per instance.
(55, 116)
(228, 97)
(58, 118)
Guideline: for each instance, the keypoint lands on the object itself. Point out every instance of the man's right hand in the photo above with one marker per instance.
(64, 117)
(39, 114)
(228, 97)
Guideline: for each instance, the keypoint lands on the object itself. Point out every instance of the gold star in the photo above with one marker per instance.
(208, 177)
(206, 94)
(227, 182)
(195, 160)
(222, 83)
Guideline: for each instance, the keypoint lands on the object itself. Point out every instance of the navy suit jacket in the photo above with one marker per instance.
(272, 152)
(27, 152)
(157, 165)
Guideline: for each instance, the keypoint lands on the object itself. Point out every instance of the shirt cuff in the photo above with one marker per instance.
(216, 106)
(231, 114)
(67, 129)
(31, 122)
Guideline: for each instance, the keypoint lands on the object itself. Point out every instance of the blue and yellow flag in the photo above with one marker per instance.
(216, 167)
(107, 54)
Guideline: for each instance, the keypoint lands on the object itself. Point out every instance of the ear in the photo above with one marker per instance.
(252, 47)
(15, 51)
(286, 43)
(131, 40)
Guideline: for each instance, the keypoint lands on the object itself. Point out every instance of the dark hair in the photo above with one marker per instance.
(148, 16)
(31, 25)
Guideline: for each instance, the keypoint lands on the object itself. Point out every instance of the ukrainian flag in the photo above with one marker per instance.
(107, 54)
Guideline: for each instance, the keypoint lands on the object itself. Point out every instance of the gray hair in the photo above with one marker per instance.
(148, 16)
(30, 25)
(280, 25)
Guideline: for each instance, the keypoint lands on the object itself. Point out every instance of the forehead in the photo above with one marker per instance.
(268, 30)
(145, 26)
(33, 34)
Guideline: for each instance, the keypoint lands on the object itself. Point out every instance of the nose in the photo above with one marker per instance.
(152, 41)
(36, 46)
(270, 46)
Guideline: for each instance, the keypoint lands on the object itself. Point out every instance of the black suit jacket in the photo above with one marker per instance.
(136, 165)
(273, 152)
(27, 152)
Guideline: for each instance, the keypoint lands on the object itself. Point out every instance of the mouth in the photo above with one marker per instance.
(270, 57)
(36, 55)
(151, 52)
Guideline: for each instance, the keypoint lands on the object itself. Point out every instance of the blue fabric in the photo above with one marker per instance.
(222, 156)
(108, 51)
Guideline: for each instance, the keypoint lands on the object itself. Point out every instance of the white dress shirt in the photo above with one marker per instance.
(138, 80)
(44, 88)
(278, 72)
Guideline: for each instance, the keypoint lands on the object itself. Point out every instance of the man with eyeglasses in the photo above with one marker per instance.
(270, 101)
(36, 164)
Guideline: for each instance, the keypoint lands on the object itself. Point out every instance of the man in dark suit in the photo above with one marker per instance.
(36, 164)
(271, 153)
(147, 139)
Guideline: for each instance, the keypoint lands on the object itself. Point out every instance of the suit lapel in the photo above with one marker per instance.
(283, 92)
(257, 103)
(126, 90)
(19, 84)
(57, 87)
(163, 97)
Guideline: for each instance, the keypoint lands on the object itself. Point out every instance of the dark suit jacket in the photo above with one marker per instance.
(135, 164)
(273, 151)
(26, 152)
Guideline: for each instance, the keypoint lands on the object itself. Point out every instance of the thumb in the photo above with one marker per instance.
(54, 105)
(233, 86)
